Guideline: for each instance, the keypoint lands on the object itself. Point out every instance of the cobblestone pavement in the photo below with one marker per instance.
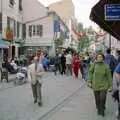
(16, 103)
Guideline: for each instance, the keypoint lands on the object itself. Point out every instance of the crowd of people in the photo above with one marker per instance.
(101, 71)
(98, 70)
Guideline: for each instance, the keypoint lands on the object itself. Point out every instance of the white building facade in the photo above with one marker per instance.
(11, 20)
(30, 24)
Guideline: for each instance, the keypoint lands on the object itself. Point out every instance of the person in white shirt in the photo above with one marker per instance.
(69, 64)
(14, 65)
(35, 74)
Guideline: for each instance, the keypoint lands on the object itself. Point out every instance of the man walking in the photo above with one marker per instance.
(68, 64)
(35, 73)
(57, 64)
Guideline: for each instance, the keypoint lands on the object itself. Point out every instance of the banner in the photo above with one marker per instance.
(56, 26)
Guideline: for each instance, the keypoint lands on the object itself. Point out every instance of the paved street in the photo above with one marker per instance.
(16, 103)
(4, 85)
(82, 107)
(64, 98)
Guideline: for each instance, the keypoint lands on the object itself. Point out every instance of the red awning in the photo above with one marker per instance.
(97, 15)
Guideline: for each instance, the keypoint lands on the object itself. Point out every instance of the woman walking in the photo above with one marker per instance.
(100, 80)
(76, 65)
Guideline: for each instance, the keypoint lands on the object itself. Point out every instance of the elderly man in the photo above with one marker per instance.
(35, 73)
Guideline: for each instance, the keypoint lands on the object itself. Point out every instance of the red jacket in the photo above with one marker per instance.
(76, 62)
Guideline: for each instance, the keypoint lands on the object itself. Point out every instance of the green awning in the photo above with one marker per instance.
(4, 44)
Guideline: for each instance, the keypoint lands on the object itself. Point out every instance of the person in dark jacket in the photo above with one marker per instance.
(63, 64)
(57, 64)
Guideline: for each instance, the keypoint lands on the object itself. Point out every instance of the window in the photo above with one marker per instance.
(14, 28)
(39, 30)
(30, 30)
(20, 5)
(8, 22)
(34, 30)
(0, 22)
(12, 2)
(18, 29)
(23, 31)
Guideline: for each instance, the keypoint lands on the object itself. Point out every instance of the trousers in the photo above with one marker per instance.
(68, 69)
(100, 100)
(36, 89)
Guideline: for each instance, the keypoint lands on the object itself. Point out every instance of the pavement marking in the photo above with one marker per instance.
(47, 115)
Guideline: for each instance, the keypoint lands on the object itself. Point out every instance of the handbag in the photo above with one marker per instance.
(115, 95)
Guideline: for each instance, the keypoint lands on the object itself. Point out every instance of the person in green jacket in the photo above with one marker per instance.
(100, 80)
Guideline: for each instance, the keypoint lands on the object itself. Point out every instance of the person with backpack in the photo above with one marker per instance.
(110, 61)
(100, 80)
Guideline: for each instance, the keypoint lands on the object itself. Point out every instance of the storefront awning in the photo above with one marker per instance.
(3, 44)
(98, 16)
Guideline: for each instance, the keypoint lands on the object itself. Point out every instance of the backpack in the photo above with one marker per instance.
(113, 63)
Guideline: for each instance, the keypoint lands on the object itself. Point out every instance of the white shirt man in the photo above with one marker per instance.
(68, 59)
(35, 74)
(69, 63)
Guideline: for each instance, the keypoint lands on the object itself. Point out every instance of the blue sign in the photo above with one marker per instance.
(56, 26)
(112, 12)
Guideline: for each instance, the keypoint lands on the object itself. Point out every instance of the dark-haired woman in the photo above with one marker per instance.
(100, 80)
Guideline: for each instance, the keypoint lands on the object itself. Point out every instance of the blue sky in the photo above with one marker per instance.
(82, 9)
